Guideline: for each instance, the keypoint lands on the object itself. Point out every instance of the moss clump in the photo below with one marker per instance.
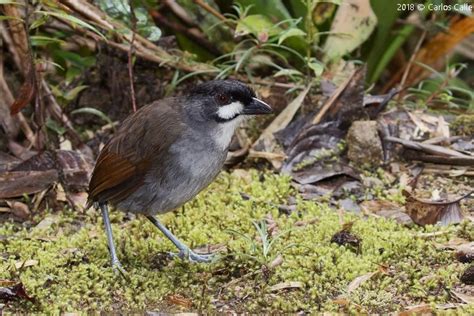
(463, 125)
(73, 272)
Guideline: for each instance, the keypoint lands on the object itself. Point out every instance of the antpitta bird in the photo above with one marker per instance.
(167, 152)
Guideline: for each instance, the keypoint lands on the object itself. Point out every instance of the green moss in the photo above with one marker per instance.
(463, 125)
(73, 272)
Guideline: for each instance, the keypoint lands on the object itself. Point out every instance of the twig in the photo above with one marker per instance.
(133, 19)
(180, 12)
(410, 62)
(56, 111)
(192, 33)
(143, 47)
(210, 9)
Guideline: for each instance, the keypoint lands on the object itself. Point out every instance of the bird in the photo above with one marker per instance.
(168, 151)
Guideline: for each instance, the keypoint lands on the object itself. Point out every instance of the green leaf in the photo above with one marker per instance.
(386, 39)
(290, 33)
(55, 127)
(71, 19)
(255, 25)
(287, 72)
(152, 33)
(72, 94)
(10, 2)
(8, 17)
(271, 8)
(38, 40)
(316, 66)
(93, 111)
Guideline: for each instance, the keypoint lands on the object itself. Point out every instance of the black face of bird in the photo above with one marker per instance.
(225, 100)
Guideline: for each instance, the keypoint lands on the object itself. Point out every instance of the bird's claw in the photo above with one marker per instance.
(194, 257)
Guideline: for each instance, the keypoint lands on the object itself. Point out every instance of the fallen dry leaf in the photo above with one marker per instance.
(19, 209)
(286, 285)
(359, 280)
(18, 183)
(468, 299)
(26, 263)
(14, 292)
(427, 212)
(178, 299)
(419, 309)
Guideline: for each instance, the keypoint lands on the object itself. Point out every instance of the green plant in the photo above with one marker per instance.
(262, 249)
(442, 89)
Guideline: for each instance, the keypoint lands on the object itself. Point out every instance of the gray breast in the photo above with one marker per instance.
(188, 167)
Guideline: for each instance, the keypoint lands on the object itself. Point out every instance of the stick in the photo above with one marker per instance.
(130, 56)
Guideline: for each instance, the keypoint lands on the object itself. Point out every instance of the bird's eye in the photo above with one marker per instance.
(222, 99)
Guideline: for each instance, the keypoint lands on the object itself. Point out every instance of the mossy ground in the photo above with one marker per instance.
(72, 272)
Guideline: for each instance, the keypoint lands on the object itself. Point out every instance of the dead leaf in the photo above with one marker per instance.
(18, 183)
(178, 299)
(19, 209)
(266, 143)
(276, 262)
(386, 209)
(286, 285)
(26, 263)
(468, 299)
(427, 212)
(419, 309)
(349, 33)
(26, 93)
(6, 283)
(47, 222)
(359, 280)
(435, 50)
(12, 293)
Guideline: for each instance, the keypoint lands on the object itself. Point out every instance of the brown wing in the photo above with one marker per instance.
(124, 161)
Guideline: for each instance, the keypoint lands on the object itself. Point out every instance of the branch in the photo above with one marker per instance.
(130, 56)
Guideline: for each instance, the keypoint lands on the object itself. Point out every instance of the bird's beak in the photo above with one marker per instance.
(257, 107)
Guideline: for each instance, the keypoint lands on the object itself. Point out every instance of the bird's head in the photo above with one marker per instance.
(226, 100)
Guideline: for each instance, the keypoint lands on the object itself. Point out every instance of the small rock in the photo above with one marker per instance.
(349, 205)
(372, 182)
(364, 144)
(468, 276)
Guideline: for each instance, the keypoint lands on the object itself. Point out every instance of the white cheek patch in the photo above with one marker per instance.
(230, 110)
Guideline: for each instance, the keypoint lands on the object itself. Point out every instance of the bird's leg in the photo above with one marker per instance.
(116, 265)
(184, 250)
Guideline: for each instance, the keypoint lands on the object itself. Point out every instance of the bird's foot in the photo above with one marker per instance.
(194, 257)
(118, 269)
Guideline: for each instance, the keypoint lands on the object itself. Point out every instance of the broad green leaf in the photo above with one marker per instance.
(352, 25)
(274, 9)
(290, 33)
(71, 19)
(386, 40)
(93, 111)
(316, 66)
(255, 25)
(287, 72)
(152, 33)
